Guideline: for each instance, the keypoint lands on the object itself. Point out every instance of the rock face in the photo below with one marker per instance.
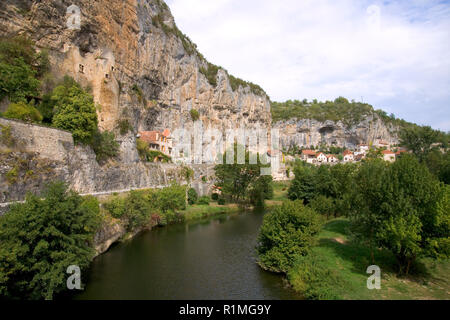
(306, 133)
(138, 65)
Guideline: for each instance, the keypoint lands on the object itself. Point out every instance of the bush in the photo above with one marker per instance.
(20, 68)
(116, 207)
(124, 126)
(322, 205)
(287, 232)
(105, 145)
(215, 196)
(74, 111)
(194, 115)
(221, 202)
(315, 281)
(23, 111)
(6, 137)
(203, 200)
(39, 239)
(192, 196)
(172, 198)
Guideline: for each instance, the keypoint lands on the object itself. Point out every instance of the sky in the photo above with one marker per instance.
(394, 55)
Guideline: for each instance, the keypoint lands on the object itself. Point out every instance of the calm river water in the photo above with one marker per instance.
(208, 260)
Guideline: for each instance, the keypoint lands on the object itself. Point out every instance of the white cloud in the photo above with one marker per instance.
(394, 54)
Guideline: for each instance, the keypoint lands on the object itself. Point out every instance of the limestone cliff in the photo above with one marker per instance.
(307, 132)
(139, 65)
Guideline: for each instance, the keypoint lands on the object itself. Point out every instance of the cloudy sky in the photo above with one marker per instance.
(394, 55)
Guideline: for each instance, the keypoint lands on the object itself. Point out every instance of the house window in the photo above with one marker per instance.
(81, 68)
(107, 76)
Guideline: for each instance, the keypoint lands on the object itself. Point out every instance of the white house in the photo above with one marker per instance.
(332, 159)
(389, 156)
(348, 156)
(321, 158)
(309, 156)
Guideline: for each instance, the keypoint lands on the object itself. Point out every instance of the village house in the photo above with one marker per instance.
(348, 156)
(309, 156)
(159, 141)
(321, 158)
(389, 156)
(332, 159)
(382, 144)
(363, 148)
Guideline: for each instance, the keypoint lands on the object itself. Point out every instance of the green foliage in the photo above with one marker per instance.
(323, 205)
(138, 91)
(74, 110)
(215, 196)
(20, 68)
(105, 145)
(23, 111)
(11, 175)
(172, 198)
(419, 140)
(303, 186)
(210, 72)
(254, 88)
(261, 190)
(195, 116)
(287, 232)
(150, 155)
(41, 238)
(439, 164)
(124, 126)
(192, 196)
(238, 180)
(395, 207)
(316, 282)
(221, 202)
(116, 207)
(6, 137)
(205, 200)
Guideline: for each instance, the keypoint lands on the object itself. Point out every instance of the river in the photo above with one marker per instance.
(208, 260)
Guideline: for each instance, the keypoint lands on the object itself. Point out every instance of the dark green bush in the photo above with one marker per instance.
(41, 238)
(215, 196)
(203, 200)
(287, 232)
(221, 202)
(194, 115)
(105, 145)
(192, 196)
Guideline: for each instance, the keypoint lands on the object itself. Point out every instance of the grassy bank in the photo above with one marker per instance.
(336, 269)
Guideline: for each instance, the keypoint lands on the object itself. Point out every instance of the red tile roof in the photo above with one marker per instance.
(347, 152)
(388, 152)
(308, 152)
(149, 136)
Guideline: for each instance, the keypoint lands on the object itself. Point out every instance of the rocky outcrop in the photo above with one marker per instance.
(137, 63)
(306, 133)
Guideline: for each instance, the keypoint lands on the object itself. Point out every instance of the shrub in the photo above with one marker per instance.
(12, 175)
(75, 110)
(287, 232)
(215, 196)
(203, 200)
(322, 205)
(194, 115)
(116, 207)
(40, 239)
(124, 126)
(172, 198)
(105, 145)
(20, 67)
(6, 137)
(23, 111)
(192, 196)
(139, 93)
(221, 202)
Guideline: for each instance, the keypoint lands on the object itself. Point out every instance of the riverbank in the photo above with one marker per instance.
(346, 264)
(115, 230)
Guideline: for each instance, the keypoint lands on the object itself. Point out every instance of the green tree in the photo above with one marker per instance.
(237, 180)
(303, 187)
(20, 68)
(105, 145)
(23, 111)
(287, 232)
(41, 238)
(75, 111)
(322, 205)
(192, 196)
(397, 207)
(261, 190)
(419, 140)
